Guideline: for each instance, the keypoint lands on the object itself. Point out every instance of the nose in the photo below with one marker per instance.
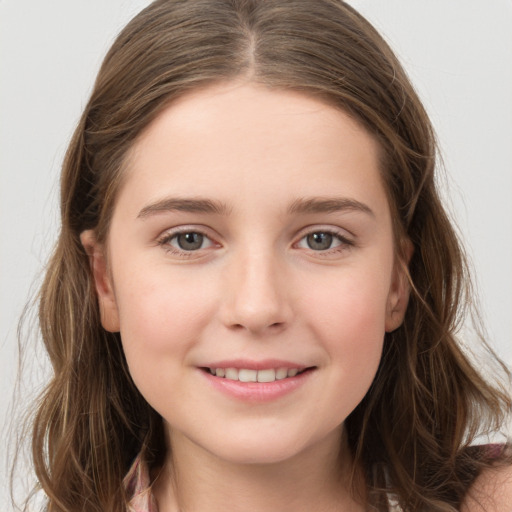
(256, 299)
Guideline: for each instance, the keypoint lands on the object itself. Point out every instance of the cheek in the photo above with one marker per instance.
(161, 318)
(350, 321)
(355, 341)
(354, 301)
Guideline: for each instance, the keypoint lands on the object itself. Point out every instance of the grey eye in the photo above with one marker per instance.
(189, 241)
(319, 241)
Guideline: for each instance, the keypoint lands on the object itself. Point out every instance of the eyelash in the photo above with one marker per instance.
(344, 242)
(165, 240)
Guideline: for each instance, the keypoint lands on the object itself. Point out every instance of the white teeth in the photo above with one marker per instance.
(266, 375)
(246, 375)
(232, 373)
(281, 373)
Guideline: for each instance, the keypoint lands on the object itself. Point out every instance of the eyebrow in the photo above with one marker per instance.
(194, 205)
(299, 206)
(328, 205)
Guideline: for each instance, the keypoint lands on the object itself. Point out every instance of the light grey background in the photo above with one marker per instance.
(457, 52)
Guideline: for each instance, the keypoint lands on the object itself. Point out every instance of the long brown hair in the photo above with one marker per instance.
(412, 432)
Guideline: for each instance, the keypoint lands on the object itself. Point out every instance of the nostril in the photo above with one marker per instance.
(258, 327)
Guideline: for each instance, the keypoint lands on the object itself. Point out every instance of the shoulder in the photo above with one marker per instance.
(491, 491)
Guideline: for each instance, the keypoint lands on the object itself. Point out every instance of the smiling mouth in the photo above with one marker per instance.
(249, 375)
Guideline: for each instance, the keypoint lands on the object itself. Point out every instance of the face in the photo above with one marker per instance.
(251, 239)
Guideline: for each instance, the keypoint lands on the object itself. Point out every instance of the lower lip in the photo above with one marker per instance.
(258, 391)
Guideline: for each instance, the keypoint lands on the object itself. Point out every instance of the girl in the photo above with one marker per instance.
(255, 293)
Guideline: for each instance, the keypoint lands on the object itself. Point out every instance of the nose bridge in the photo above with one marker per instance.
(257, 298)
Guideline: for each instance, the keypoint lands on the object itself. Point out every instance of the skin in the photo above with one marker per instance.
(255, 290)
(492, 492)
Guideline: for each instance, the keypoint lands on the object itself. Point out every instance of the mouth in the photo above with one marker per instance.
(250, 375)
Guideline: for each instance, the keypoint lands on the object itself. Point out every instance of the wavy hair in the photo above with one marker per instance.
(412, 432)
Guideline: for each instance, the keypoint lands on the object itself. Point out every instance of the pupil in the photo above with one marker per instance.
(319, 241)
(190, 241)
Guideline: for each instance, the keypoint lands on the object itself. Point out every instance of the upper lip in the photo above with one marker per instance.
(255, 365)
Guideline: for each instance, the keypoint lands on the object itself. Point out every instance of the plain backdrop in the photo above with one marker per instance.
(457, 52)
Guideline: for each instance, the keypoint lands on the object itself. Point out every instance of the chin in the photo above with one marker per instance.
(274, 447)
(258, 453)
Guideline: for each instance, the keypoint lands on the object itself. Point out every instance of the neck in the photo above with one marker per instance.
(319, 479)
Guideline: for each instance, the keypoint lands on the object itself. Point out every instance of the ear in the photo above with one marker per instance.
(398, 297)
(102, 281)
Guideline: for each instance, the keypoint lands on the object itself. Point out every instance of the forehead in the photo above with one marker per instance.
(246, 141)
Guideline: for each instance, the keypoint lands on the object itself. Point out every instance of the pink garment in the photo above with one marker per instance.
(137, 485)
